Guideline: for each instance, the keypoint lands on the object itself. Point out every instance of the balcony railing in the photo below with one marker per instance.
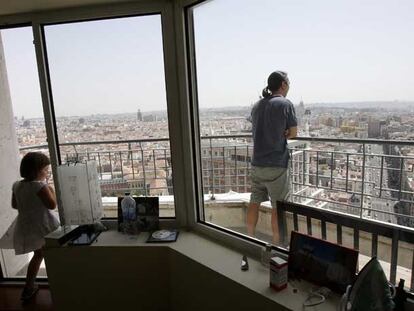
(369, 178)
(289, 218)
(366, 184)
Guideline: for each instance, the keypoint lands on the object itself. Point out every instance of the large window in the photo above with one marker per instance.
(349, 65)
(350, 69)
(109, 97)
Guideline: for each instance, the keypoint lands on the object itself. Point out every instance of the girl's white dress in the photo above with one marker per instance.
(34, 220)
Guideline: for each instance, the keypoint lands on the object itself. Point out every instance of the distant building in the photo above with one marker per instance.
(149, 118)
(338, 122)
(139, 115)
(300, 112)
(374, 128)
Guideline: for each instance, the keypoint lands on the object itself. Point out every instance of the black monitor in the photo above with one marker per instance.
(321, 262)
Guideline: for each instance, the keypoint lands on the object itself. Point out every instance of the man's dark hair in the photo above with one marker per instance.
(32, 163)
(274, 82)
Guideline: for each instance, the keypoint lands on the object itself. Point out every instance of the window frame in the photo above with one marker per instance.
(84, 15)
(247, 245)
(49, 85)
(164, 9)
(182, 102)
(3, 278)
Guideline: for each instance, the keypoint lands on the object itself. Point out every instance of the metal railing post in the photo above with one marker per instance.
(363, 180)
(132, 163)
(100, 165)
(290, 172)
(347, 172)
(122, 168)
(236, 169)
(246, 168)
(401, 177)
(211, 173)
(282, 227)
(303, 166)
(381, 176)
(332, 165)
(317, 168)
(155, 166)
(110, 165)
(143, 169)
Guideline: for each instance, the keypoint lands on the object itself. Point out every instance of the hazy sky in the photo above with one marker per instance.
(334, 51)
(108, 66)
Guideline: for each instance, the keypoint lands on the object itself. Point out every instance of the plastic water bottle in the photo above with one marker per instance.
(266, 255)
(128, 207)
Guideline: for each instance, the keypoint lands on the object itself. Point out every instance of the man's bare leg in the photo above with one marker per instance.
(252, 217)
(275, 227)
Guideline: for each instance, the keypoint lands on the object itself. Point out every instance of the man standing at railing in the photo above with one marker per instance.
(274, 121)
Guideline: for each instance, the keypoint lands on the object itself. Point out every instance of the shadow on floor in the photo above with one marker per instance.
(10, 299)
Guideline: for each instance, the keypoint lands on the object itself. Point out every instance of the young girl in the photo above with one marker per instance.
(33, 198)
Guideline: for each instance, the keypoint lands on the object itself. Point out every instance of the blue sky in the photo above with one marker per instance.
(334, 51)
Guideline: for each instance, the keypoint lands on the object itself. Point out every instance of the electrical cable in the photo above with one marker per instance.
(320, 293)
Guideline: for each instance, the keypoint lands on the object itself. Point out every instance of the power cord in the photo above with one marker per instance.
(316, 297)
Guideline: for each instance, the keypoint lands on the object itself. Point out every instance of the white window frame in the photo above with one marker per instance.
(188, 80)
(180, 80)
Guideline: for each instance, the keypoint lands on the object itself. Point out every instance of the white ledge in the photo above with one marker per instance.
(216, 257)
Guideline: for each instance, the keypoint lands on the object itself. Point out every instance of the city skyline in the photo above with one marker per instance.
(120, 170)
(383, 105)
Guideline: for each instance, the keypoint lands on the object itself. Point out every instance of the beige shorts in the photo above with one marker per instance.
(268, 182)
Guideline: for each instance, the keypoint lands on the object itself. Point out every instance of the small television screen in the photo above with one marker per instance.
(85, 238)
(137, 214)
(321, 262)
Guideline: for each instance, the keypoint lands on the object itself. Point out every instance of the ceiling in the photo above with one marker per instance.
(8, 7)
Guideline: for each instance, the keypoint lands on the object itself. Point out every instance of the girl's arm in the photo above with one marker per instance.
(48, 197)
(13, 201)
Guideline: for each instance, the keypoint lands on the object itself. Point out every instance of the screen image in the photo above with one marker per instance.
(322, 262)
(136, 214)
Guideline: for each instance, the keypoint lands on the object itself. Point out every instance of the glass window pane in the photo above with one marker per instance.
(109, 87)
(336, 63)
(24, 125)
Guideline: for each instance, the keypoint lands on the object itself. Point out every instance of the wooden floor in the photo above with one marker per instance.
(10, 299)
